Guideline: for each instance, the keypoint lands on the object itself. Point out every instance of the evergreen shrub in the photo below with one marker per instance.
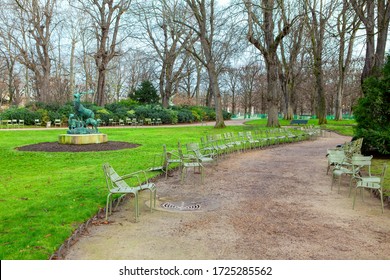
(372, 113)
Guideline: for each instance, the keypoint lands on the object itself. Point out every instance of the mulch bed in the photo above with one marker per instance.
(57, 147)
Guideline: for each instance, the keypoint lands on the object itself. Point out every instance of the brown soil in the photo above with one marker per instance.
(57, 147)
(274, 203)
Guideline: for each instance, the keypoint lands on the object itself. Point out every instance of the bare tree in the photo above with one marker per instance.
(318, 13)
(249, 75)
(191, 76)
(366, 11)
(347, 27)
(261, 29)
(140, 68)
(106, 16)
(28, 25)
(8, 71)
(232, 81)
(85, 57)
(204, 15)
(290, 51)
(168, 38)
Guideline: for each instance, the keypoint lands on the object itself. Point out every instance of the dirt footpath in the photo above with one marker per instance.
(274, 203)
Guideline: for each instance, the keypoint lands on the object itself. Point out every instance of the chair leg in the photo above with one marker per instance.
(183, 173)
(333, 179)
(153, 195)
(108, 203)
(136, 207)
(166, 171)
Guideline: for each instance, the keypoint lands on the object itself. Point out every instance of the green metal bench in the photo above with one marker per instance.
(298, 122)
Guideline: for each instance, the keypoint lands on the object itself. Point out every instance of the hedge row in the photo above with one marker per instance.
(120, 110)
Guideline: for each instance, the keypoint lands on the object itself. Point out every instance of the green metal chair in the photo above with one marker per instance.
(253, 143)
(351, 168)
(170, 157)
(134, 122)
(233, 144)
(194, 148)
(189, 161)
(14, 123)
(128, 121)
(244, 140)
(372, 185)
(117, 185)
(207, 146)
(58, 122)
(37, 122)
(335, 156)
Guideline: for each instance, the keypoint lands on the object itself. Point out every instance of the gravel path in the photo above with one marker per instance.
(274, 203)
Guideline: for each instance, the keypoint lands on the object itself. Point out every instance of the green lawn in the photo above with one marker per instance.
(344, 127)
(46, 196)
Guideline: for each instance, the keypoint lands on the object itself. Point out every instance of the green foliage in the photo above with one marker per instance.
(118, 110)
(146, 93)
(185, 116)
(20, 114)
(129, 103)
(103, 115)
(226, 115)
(44, 115)
(167, 116)
(372, 113)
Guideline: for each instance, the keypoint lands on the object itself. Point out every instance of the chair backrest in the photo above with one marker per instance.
(166, 156)
(359, 162)
(249, 135)
(335, 151)
(180, 150)
(241, 135)
(113, 180)
(337, 158)
(358, 145)
(204, 143)
(192, 147)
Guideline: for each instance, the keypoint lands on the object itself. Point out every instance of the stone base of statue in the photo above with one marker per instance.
(81, 139)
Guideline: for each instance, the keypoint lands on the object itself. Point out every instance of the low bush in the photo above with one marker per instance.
(372, 113)
(120, 110)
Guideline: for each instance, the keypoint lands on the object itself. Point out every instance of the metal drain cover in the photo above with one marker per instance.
(181, 206)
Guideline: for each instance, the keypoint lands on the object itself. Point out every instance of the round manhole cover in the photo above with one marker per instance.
(181, 206)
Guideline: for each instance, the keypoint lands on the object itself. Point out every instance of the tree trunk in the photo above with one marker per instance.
(272, 91)
(219, 122)
(161, 85)
(383, 19)
(374, 58)
(71, 67)
(321, 102)
(339, 97)
(100, 96)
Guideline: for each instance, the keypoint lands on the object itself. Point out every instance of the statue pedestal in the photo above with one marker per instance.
(80, 139)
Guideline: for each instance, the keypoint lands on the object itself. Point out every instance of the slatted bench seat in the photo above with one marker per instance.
(298, 122)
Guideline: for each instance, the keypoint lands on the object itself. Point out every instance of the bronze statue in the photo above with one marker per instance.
(80, 121)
